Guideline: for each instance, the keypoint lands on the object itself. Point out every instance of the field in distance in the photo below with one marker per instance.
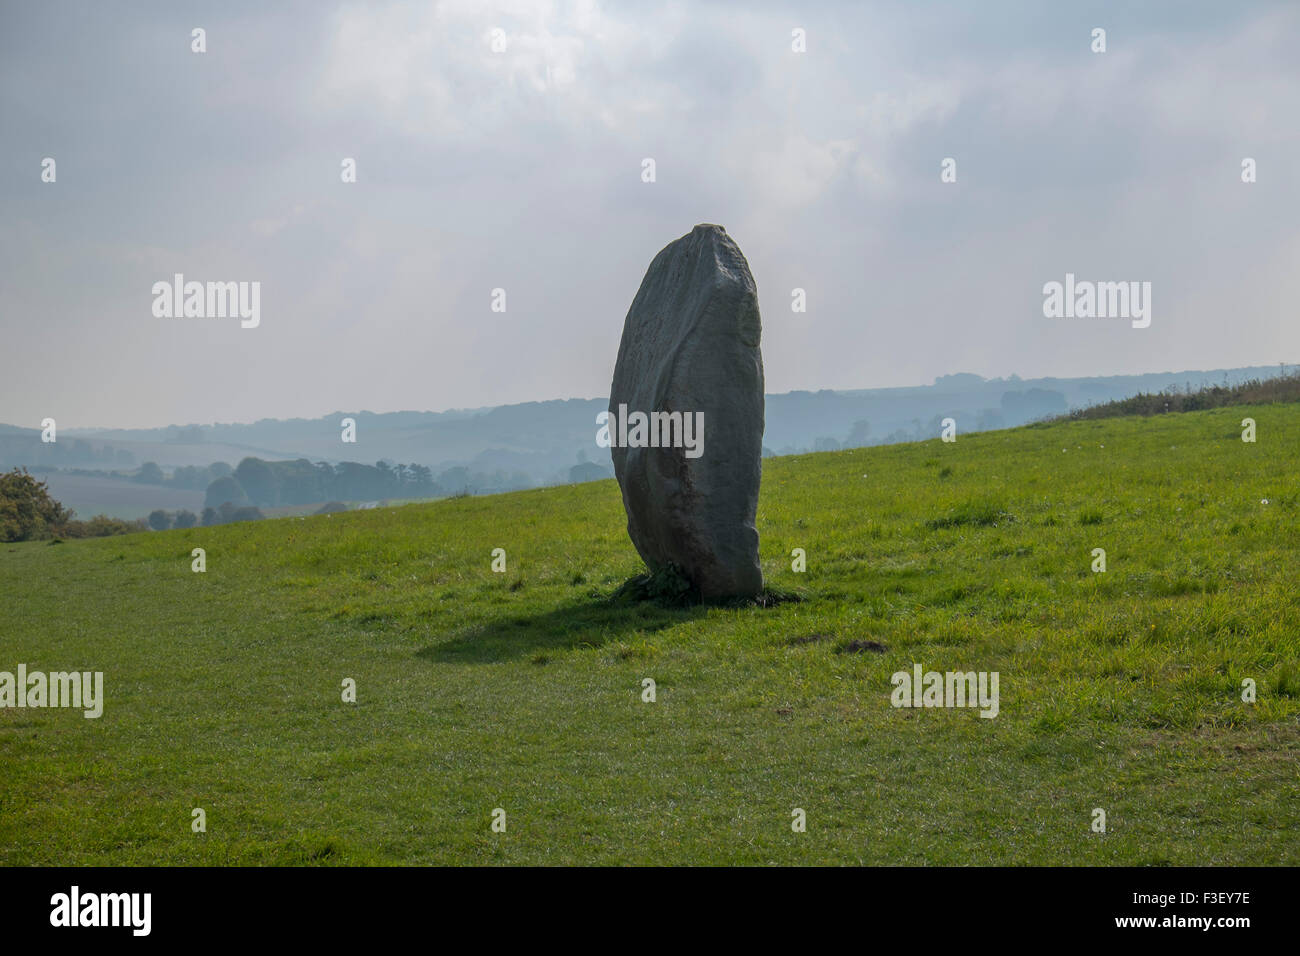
(523, 690)
(117, 497)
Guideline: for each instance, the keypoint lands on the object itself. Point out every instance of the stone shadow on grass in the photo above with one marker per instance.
(629, 611)
(591, 623)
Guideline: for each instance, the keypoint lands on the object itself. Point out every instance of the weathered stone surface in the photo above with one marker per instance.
(691, 344)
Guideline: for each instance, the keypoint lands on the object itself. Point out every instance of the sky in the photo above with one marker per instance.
(480, 168)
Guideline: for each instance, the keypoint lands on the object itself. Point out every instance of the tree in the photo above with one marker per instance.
(456, 480)
(26, 509)
(299, 482)
(150, 474)
(259, 482)
(209, 517)
(354, 480)
(160, 520)
(422, 480)
(224, 490)
(325, 478)
(188, 476)
(185, 519)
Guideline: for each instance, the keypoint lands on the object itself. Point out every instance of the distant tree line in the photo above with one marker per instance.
(271, 484)
(162, 520)
(187, 477)
(225, 513)
(30, 450)
(190, 477)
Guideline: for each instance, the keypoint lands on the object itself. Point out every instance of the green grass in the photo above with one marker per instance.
(523, 690)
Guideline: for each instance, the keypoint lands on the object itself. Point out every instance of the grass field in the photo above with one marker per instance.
(477, 690)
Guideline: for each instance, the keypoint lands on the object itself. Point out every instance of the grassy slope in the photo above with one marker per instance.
(522, 691)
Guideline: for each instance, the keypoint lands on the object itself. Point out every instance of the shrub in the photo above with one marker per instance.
(27, 511)
(1282, 388)
(100, 526)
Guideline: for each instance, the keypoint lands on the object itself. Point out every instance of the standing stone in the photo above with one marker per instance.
(691, 344)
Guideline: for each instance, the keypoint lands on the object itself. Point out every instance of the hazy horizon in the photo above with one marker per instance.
(522, 170)
(74, 427)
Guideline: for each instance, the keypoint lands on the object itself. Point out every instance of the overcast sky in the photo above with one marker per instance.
(522, 170)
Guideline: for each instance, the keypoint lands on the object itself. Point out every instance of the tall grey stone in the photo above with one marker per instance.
(691, 344)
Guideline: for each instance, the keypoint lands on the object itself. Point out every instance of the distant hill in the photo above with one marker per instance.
(541, 442)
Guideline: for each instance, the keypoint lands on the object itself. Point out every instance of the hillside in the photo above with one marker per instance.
(478, 690)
